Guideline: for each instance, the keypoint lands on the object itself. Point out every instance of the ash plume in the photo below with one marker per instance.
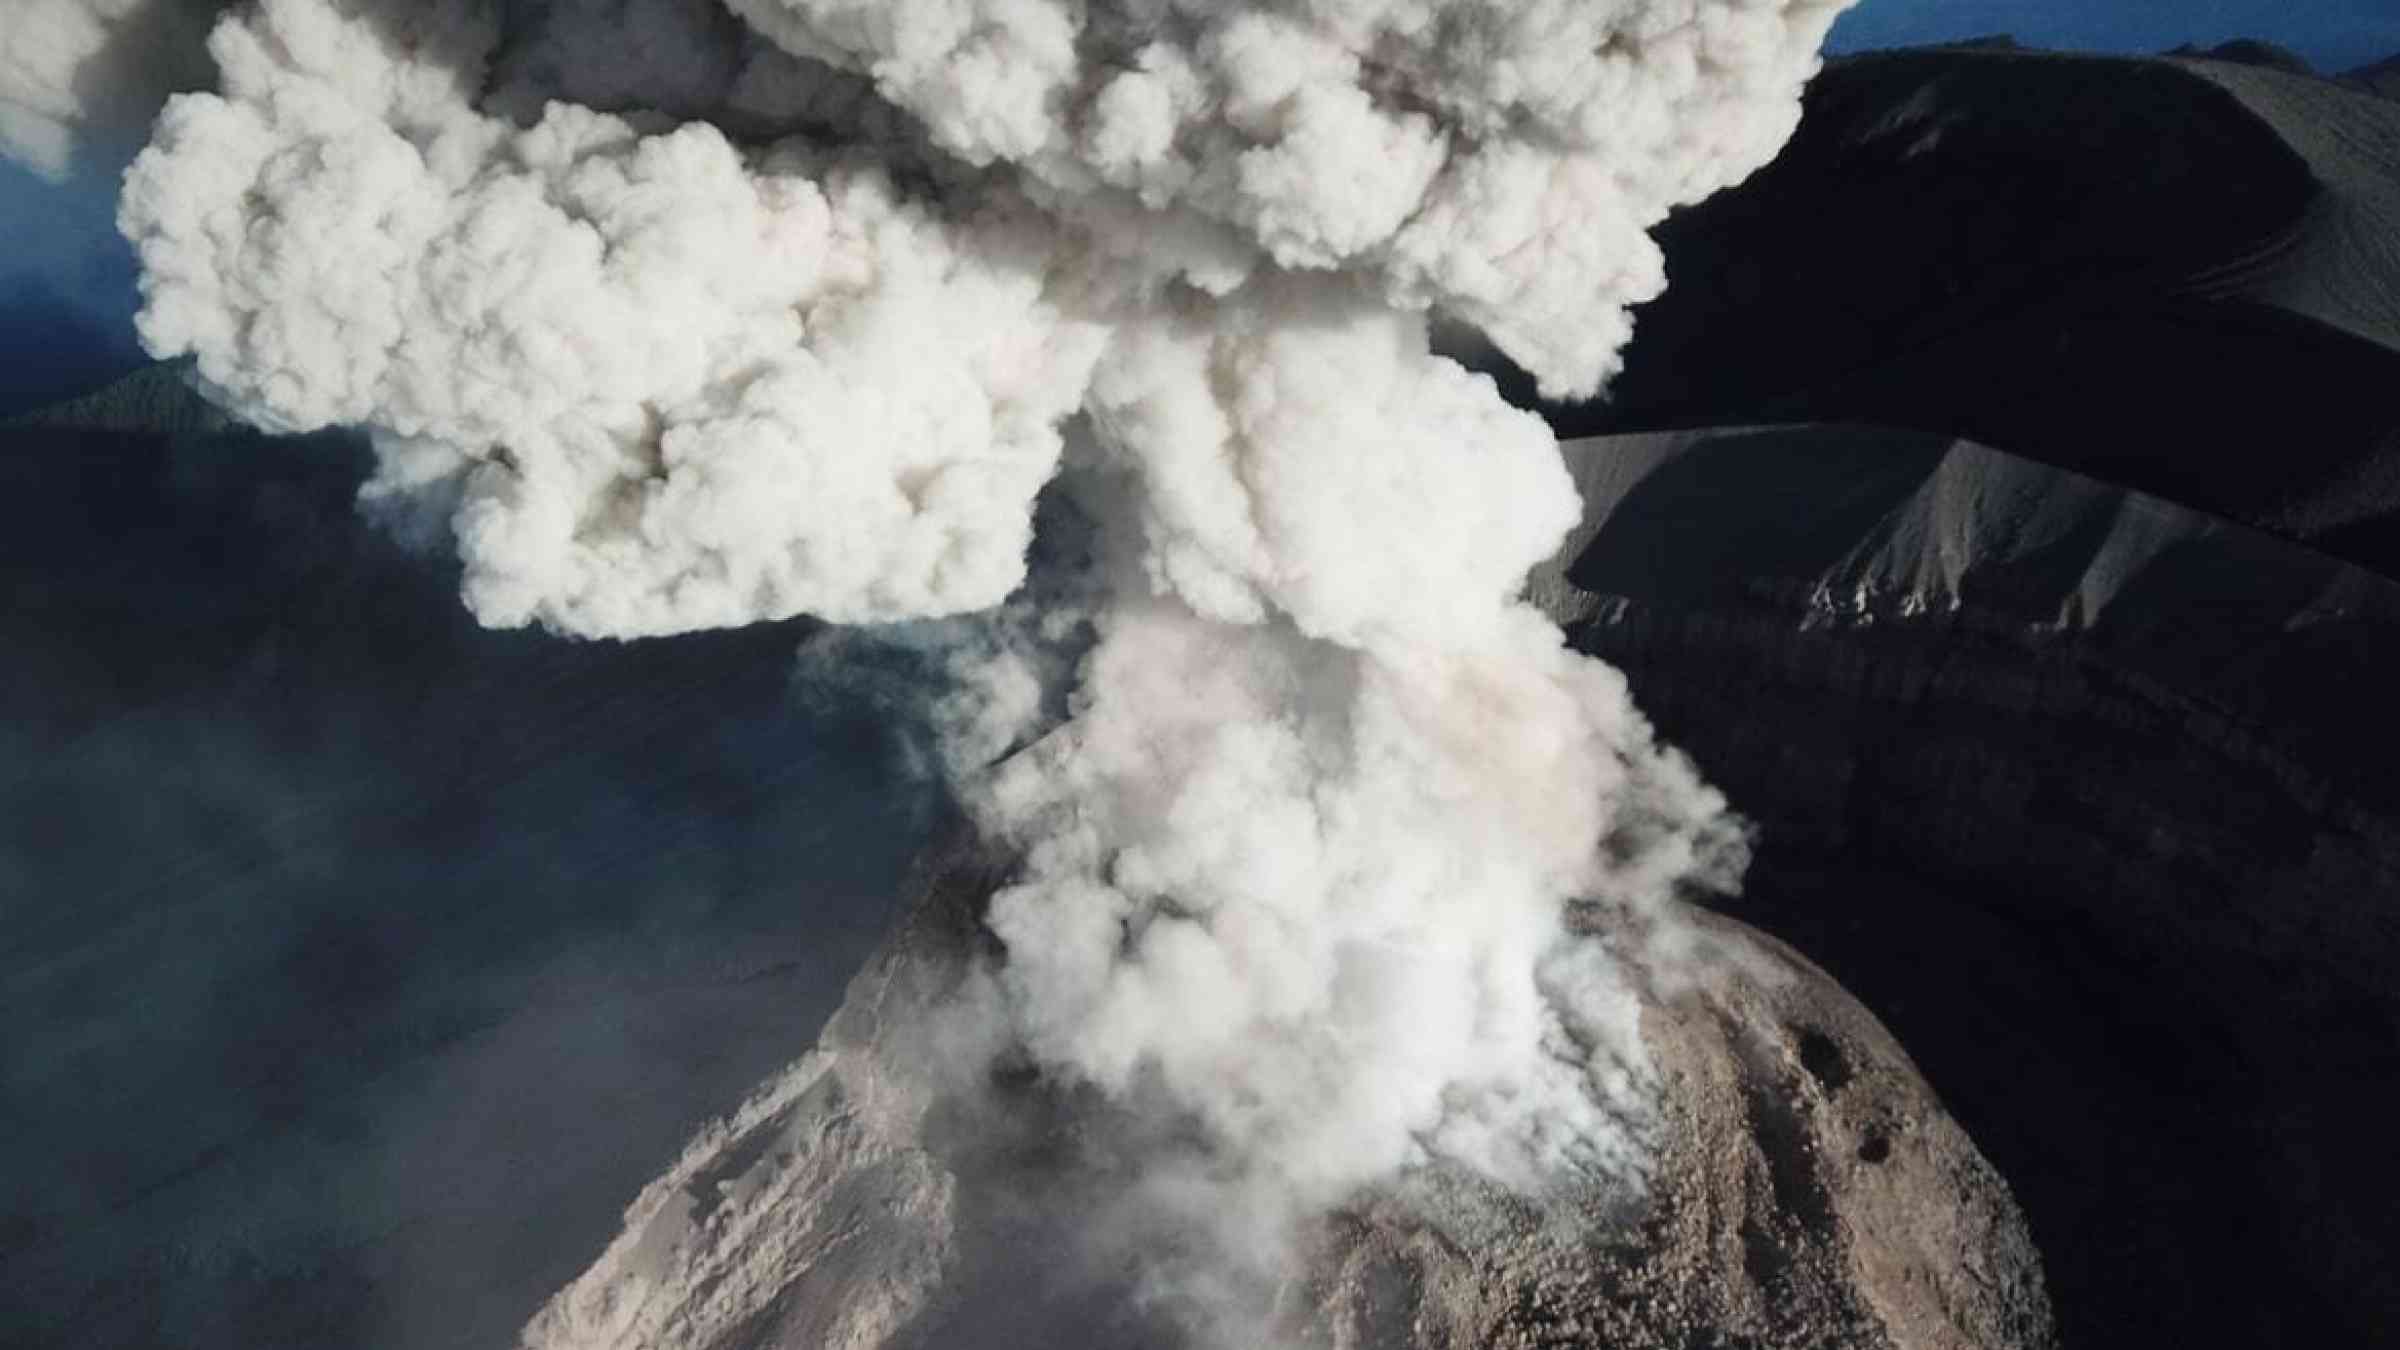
(798, 307)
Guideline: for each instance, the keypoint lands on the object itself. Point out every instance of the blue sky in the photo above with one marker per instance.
(66, 281)
(66, 289)
(2335, 35)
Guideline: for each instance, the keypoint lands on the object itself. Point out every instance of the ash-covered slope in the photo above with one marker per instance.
(2179, 274)
(2089, 797)
(1810, 1192)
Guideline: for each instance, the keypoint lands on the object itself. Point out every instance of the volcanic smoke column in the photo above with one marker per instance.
(799, 312)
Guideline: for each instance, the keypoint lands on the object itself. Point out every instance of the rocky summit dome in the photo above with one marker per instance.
(1810, 1190)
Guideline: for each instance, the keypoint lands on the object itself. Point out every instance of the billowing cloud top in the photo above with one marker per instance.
(1498, 159)
(644, 363)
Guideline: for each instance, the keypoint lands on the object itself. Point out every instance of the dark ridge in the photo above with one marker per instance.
(2381, 79)
(154, 401)
(1989, 42)
(2251, 52)
(2170, 274)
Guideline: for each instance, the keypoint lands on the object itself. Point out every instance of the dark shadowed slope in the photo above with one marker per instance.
(2341, 266)
(157, 401)
(2382, 78)
(2249, 52)
(2089, 797)
(360, 963)
(2176, 274)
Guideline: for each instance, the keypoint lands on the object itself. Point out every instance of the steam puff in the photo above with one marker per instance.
(80, 76)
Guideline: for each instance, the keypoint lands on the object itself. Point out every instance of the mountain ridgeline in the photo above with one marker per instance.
(2181, 274)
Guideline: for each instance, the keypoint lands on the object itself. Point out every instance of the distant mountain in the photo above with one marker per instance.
(2180, 274)
(156, 400)
(2382, 78)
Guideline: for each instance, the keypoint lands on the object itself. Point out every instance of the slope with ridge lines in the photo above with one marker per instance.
(2175, 274)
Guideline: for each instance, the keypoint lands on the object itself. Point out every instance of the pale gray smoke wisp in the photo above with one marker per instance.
(798, 313)
(80, 79)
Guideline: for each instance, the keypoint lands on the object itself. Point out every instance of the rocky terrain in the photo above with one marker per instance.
(1810, 1192)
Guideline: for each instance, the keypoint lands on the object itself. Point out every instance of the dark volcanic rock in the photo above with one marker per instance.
(1810, 1192)
(2183, 275)
(156, 402)
(2381, 78)
(2089, 797)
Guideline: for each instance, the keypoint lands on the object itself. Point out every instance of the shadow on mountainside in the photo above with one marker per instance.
(364, 962)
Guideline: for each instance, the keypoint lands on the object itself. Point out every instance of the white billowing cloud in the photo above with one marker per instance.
(636, 360)
(680, 384)
(806, 323)
(1498, 159)
(80, 78)
(1299, 450)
